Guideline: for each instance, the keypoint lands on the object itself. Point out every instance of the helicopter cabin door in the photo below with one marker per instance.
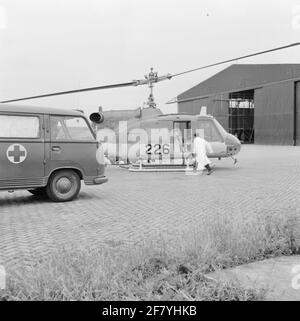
(182, 140)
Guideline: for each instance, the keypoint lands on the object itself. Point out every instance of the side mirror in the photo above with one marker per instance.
(97, 118)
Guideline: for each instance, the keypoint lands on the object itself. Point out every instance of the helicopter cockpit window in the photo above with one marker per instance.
(211, 134)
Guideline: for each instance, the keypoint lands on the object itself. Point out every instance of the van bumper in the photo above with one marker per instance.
(100, 180)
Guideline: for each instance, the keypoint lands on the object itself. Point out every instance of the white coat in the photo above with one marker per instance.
(200, 149)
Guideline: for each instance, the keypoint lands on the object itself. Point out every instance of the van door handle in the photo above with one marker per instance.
(56, 148)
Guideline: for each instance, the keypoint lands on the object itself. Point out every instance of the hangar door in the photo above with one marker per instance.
(274, 114)
(297, 122)
(241, 115)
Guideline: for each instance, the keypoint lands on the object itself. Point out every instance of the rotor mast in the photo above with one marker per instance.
(150, 79)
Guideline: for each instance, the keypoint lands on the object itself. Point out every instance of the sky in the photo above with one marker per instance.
(58, 45)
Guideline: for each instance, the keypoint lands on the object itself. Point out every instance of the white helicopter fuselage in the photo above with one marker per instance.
(165, 138)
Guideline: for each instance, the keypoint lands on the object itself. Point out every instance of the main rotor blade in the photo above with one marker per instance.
(143, 82)
(238, 58)
(125, 84)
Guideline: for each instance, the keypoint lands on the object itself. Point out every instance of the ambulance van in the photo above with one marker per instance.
(48, 152)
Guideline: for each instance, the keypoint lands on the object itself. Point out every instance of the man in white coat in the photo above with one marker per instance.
(200, 149)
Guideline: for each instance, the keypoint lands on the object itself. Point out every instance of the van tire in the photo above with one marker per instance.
(63, 186)
(39, 192)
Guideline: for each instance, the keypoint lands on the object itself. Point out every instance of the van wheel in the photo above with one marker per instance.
(63, 186)
(40, 191)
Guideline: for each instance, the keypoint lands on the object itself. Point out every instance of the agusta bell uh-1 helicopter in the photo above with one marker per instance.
(147, 137)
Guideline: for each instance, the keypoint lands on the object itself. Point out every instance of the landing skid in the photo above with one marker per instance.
(234, 160)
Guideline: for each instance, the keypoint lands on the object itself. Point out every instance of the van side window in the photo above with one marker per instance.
(70, 128)
(12, 126)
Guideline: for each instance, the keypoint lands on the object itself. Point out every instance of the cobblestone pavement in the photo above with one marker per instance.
(132, 206)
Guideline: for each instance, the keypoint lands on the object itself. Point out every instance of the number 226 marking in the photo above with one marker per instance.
(158, 149)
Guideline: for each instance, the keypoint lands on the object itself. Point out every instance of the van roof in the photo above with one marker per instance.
(12, 108)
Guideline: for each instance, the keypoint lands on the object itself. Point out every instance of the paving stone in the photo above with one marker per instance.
(132, 206)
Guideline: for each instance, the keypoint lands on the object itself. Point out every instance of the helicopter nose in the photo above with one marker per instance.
(233, 145)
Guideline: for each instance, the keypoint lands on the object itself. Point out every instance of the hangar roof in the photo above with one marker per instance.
(240, 77)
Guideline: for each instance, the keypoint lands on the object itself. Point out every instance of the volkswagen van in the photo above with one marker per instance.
(48, 152)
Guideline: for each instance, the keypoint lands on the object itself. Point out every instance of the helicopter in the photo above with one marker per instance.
(147, 135)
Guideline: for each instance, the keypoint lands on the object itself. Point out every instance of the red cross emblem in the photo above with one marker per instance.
(16, 153)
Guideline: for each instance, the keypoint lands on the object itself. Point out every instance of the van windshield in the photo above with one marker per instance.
(70, 128)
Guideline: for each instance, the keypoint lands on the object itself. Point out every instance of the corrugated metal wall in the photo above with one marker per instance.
(298, 112)
(274, 114)
(216, 106)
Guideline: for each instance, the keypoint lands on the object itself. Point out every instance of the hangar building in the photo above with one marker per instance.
(258, 103)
